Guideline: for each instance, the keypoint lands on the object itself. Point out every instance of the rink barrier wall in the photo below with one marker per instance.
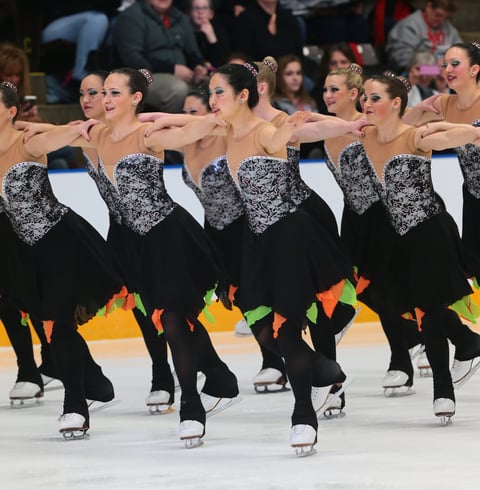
(77, 190)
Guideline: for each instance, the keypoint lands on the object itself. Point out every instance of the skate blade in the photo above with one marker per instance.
(26, 402)
(335, 396)
(193, 442)
(160, 409)
(398, 391)
(334, 413)
(74, 434)
(264, 388)
(470, 373)
(220, 407)
(304, 451)
(95, 405)
(445, 419)
(242, 335)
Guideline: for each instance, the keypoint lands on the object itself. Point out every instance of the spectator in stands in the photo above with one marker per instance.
(421, 74)
(212, 38)
(428, 29)
(82, 22)
(15, 68)
(155, 35)
(265, 29)
(291, 95)
(338, 55)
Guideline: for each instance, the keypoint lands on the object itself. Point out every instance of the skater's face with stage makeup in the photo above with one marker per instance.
(378, 106)
(118, 101)
(91, 98)
(223, 99)
(336, 94)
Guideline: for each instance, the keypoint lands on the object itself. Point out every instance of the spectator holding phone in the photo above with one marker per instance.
(15, 68)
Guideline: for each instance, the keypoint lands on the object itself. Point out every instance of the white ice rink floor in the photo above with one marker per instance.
(381, 443)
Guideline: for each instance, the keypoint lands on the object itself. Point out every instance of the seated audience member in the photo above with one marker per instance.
(155, 35)
(263, 29)
(428, 29)
(421, 74)
(212, 38)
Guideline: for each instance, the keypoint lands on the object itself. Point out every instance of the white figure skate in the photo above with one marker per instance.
(51, 384)
(158, 402)
(339, 336)
(24, 394)
(242, 329)
(423, 364)
(192, 431)
(395, 383)
(444, 408)
(303, 438)
(323, 399)
(462, 371)
(214, 405)
(333, 408)
(176, 383)
(269, 380)
(73, 426)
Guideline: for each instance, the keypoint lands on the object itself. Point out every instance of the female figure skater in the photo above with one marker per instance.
(275, 290)
(367, 232)
(168, 259)
(161, 395)
(426, 274)
(461, 68)
(65, 274)
(326, 332)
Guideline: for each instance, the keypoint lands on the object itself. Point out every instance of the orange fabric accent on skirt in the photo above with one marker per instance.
(419, 314)
(48, 327)
(157, 319)
(362, 284)
(278, 321)
(329, 298)
(231, 292)
(121, 294)
(130, 302)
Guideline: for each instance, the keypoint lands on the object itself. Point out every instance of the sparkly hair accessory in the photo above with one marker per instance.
(250, 68)
(404, 81)
(146, 73)
(271, 65)
(9, 85)
(355, 68)
(476, 45)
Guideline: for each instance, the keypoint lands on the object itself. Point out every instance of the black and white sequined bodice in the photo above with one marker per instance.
(353, 175)
(138, 197)
(264, 187)
(30, 202)
(217, 193)
(469, 159)
(407, 191)
(299, 190)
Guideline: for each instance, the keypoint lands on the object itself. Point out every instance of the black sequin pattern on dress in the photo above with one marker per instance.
(469, 159)
(138, 197)
(407, 191)
(353, 175)
(217, 192)
(299, 190)
(30, 202)
(264, 187)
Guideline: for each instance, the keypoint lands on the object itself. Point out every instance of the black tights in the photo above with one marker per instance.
(21, 340)
(82, 377)
(304, 366)
(193, 351)
(401, 336)
(435, 325)
(162, 378)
